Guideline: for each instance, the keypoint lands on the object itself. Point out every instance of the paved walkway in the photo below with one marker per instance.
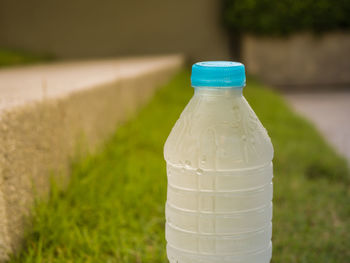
(330, 112)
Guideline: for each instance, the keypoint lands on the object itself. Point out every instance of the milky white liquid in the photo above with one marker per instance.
(219, 200)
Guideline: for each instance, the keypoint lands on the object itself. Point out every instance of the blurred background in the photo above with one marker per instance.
(297, 56)
(295, 46)
(303, 44)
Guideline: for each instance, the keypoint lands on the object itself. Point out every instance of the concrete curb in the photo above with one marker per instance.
(48, 110)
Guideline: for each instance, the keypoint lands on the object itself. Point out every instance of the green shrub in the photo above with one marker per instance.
(14, 57)
(266, 17)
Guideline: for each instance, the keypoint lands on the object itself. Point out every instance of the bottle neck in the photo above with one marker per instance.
(219, 91)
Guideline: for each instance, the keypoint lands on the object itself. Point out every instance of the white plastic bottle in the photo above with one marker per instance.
(219, 167)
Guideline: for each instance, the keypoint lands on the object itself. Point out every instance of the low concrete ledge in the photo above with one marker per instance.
(300, 61)
(46, 110)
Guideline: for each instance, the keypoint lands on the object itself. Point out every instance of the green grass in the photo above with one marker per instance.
(113, 209)
(13, 57)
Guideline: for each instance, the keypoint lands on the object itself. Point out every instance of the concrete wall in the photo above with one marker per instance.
(46, 111)
(90, 28)
(302, 61)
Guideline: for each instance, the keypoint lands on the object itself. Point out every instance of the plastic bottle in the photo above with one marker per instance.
(219, 167)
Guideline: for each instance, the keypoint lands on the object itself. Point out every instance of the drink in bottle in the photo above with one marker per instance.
(219, 168)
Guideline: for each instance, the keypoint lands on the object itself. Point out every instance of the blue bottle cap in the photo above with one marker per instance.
(218, 74)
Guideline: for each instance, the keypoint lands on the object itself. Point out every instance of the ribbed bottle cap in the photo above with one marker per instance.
(218, 74)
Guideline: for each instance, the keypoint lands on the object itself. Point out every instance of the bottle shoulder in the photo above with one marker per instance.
(218, 134)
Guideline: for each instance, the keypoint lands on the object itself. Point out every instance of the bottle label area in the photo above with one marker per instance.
(225, 215)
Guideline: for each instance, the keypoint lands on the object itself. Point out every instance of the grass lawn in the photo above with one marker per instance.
(113, 209)
(13, 57)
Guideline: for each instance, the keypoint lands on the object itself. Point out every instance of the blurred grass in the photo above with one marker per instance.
(113, 209)
(13, 57)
